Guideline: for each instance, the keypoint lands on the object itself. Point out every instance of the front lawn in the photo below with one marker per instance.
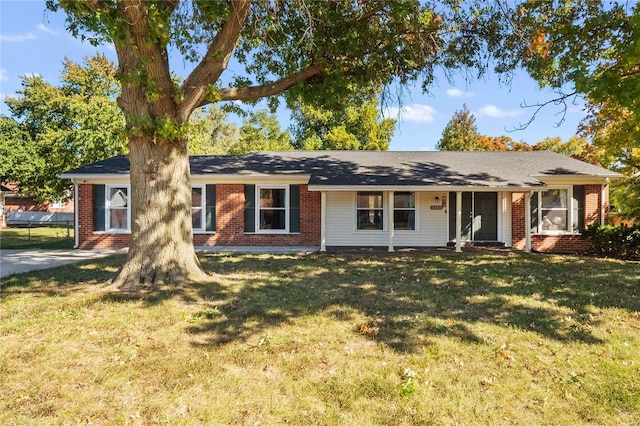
(40, 237)
(355, 339)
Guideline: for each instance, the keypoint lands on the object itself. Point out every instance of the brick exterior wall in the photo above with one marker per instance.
(229, 223)
(557, 243)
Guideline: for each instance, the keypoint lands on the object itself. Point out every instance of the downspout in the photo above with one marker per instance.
(76, 224)
(323, 221)
(527, 222)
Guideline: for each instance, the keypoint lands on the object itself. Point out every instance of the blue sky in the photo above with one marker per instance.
(34, 41)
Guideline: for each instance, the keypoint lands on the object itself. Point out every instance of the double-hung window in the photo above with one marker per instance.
(197, 208)
(272, 205)
(370, 211)
(117, 208)
(554, 210)
(404, 211)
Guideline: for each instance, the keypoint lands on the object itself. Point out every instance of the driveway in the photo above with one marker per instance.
(20, 261)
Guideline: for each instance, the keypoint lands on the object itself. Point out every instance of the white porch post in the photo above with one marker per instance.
(76, 221)
(391, 222)
(458, 221)
(527, 222)
(323, 221)
(602, 211)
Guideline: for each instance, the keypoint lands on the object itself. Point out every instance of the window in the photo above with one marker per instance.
(404, 211)
(554, 210)
(117, 208)
(272, 208)
(370, 211)
(197, 201)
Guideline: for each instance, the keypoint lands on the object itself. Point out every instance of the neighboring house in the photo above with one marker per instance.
(11, 200)
(526, 200)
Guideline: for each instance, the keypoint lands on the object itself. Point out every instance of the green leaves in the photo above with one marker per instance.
(59, 128)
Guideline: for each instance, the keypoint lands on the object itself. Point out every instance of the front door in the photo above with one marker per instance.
(479, 216)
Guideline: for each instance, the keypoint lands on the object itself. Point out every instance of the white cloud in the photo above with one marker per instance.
(456, 93)
(45, 29)
(418, 113)
(3, 75)
(497, 112)
(16, 38)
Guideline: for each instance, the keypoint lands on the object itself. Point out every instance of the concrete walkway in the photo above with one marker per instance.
(21, 261)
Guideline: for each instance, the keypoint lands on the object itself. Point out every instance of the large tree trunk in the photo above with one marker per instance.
(161, 247)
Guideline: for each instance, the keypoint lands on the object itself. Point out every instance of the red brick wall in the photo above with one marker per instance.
(87, 237)
(229, 223)
(557, 243)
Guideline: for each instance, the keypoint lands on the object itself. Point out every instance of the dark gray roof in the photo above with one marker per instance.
(385, 168)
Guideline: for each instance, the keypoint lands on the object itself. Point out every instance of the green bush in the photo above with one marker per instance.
(616, 241)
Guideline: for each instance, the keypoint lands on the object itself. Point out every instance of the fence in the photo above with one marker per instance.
(30, 220)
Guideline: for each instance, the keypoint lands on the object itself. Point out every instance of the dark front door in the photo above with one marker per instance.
(479, 216)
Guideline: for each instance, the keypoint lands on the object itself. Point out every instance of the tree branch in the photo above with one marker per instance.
(215, 61)
(269, 89)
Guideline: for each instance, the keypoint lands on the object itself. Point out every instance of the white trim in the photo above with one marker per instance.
(212, 178)
(287, 209)
(422, 188)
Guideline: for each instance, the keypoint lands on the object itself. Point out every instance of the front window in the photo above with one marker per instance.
(369, 211)
(118, 208)
(196, 207)
(272, 209)
(554, 210)
(404, 211)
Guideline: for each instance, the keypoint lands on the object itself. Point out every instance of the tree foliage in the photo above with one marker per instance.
(355, 126)
(63, 127)
(210, 133)
(322, 52)
(260, 131)
(460, 133)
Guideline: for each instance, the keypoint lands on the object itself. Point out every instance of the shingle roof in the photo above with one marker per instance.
(384, 168)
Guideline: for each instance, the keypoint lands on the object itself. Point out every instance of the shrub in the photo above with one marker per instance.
(616, 241)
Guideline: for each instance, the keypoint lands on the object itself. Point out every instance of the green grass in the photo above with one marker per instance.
(328, 339)
(44, 237)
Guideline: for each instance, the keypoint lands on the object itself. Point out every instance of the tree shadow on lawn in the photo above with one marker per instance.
(405, 298)
(409, 297)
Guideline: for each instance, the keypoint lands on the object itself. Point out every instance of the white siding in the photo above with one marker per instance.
(431, 226)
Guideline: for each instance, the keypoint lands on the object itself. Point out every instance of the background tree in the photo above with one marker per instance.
(460, 133)
(356, 126)
(210, 133)
(591, 49)
(321, 52)
(260, 131)
(64, 127)
(19, 160)
(501, 143)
